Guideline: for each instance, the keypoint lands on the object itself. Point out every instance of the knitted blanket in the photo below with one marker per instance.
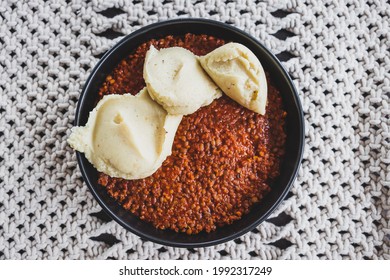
(337, 53)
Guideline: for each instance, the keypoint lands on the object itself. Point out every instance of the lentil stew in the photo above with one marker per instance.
(224, 156)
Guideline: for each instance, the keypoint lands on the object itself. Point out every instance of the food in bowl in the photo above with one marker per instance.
(224, 156)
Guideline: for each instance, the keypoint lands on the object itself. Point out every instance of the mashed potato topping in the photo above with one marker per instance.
(126, 136)
(239, 73)
(176, 80)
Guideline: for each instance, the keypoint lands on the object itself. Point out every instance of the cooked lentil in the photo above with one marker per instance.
(224, 156)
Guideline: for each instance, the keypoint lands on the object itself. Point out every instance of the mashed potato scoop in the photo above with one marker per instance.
(240, 75)
(126, 136)
(176, 80)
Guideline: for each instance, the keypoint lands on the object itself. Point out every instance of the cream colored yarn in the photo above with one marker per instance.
(337, 52)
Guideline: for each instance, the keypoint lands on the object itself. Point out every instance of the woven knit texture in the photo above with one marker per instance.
(337, 53)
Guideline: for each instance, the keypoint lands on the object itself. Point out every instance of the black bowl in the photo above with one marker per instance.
(294, 126)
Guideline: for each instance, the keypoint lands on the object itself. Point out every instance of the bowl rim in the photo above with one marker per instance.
(301, 132)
